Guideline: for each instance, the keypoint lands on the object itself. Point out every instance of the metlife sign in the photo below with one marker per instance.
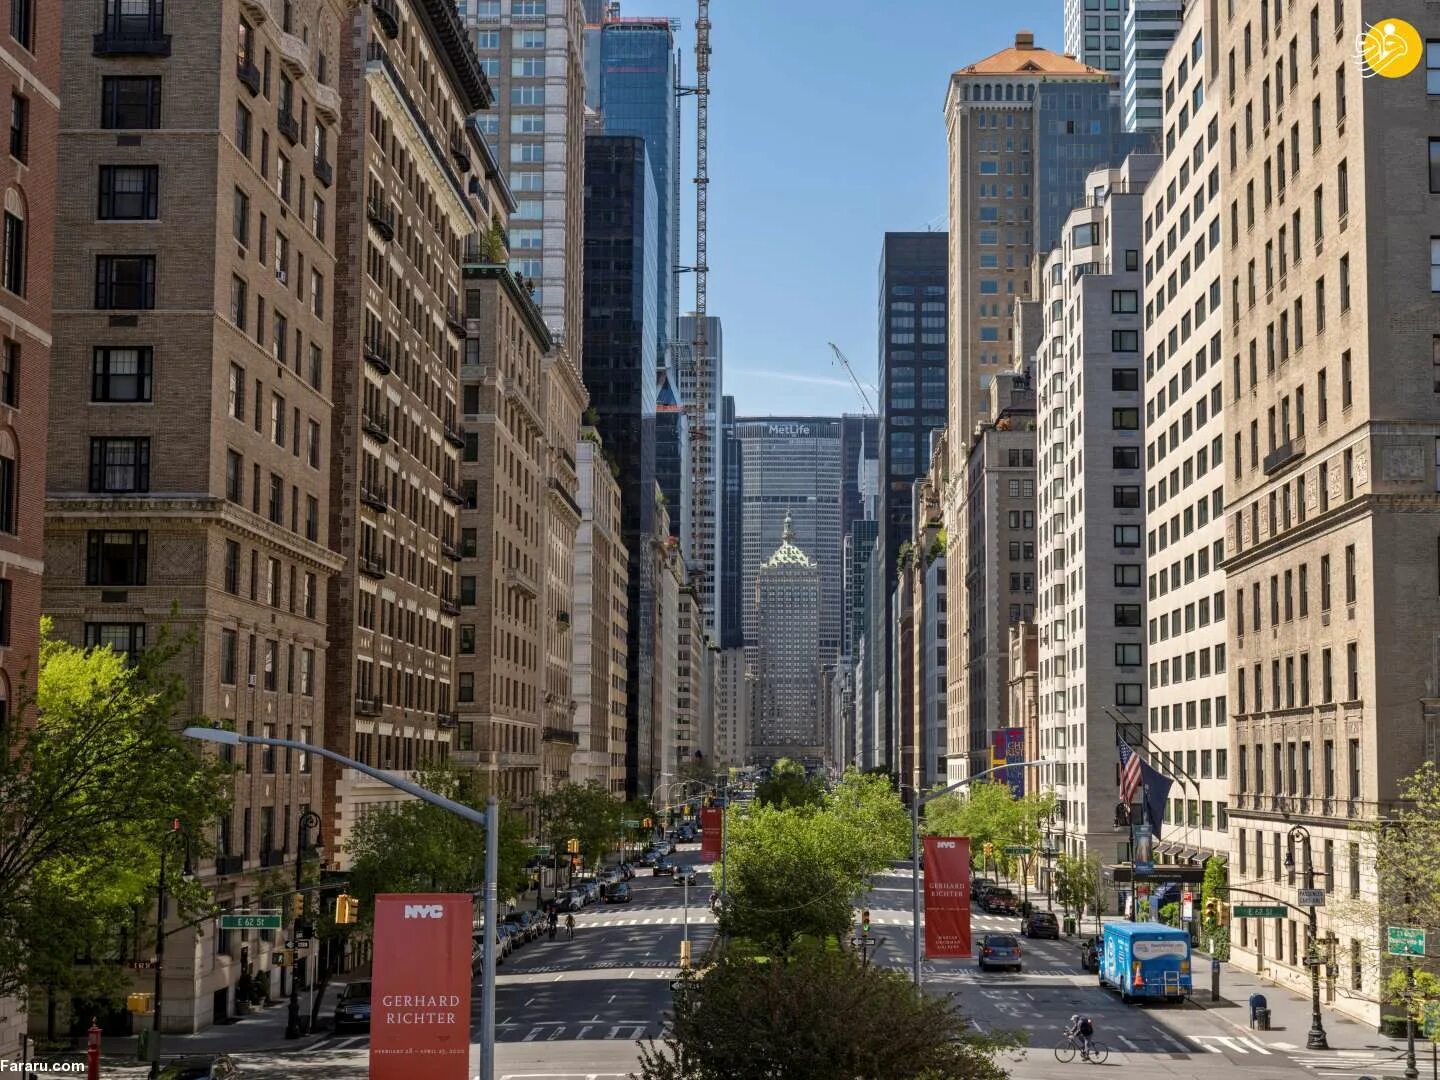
(420, 992)
(788, 431)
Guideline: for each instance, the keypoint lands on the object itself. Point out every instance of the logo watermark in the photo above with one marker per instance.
(10, 1067)
(1390, 48)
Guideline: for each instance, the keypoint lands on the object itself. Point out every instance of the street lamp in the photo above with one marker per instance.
(1315, 1040)
(187, 874)
(916, 803)
(308, 820)
(489, 817)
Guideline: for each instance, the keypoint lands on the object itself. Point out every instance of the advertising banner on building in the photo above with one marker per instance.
(710, 825)
(420, 987)
(1007, 746)
(947, 896)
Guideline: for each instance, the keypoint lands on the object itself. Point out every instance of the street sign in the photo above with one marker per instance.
(142, 965)
(1017, 849)
(1187, 906)
(264, 921)
(1144, 867)
(543, 850)
(1258, 911)
(1404, 941)
(298, 943)
(630, 823)
(1310, 897)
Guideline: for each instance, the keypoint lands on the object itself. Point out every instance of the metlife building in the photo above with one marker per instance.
(792, 464)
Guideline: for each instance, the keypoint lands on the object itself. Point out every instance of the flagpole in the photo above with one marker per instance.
(1134, 847)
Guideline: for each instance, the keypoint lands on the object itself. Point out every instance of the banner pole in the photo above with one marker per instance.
(915, 884)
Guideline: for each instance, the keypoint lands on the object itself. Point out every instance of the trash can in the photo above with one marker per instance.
(1069, 925)
(1262, 1019)
(1258, 1007)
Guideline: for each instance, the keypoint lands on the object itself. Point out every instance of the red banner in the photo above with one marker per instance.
(947, 896)
(710, 825)
(420, 987)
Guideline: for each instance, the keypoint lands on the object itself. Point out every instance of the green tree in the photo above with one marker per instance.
(91, 778)
(788, 786)
(815, 1015)
(872, 819)
(585, 812)
(1215, 886)
(988, 812)
(412, 846)
(1077, 882)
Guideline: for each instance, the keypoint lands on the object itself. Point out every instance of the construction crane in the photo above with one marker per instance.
(859, 388)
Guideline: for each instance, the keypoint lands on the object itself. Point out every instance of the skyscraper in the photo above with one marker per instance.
(792, 464)
(531, 52)
(700, 383)
(672, 461)
(1094, 33)
(787, 603)
(731, 602)
(620, 372)
(1150, 29)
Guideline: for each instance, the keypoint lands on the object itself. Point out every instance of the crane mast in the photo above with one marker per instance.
(845, 363)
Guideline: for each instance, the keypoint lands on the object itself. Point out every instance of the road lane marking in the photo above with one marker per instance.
(613, 1032)
(1257, 1047)
(1128, 1043)
(639, 1032)
(529, 1003)
(612, 999)
(556, 1033)
(533, 1034)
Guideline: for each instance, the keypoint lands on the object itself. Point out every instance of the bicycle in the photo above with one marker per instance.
(1070, 1045)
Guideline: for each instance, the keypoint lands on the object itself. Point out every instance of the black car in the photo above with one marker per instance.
(353, 1008)
(664, 869)
(1090, 954)
(200, 1067)
(1042, 924)
(618, 894)
(528, 924)
(650, 857)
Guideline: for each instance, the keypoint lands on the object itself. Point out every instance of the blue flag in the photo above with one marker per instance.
(1157, 790)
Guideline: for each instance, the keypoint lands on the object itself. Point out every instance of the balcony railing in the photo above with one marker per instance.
(459, 151)
(377, 355)
(453, 495)
(368, 706)
(289, 125)
(324, 172)
(560, 735)
(454, 320)
(372, 566)
(374, 498)
(386, 16)
(447, 721)
(141, 34)
(382, 217)
(450, 551)
(454, 438)
(249, 74)
(449, 605)
(1285, 454)
(378, 428)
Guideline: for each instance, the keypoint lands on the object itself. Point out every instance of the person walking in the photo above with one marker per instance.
(570, 927)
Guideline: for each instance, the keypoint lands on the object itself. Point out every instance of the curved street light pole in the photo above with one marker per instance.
(1315, 1039)
(175, 827)
(308, 820)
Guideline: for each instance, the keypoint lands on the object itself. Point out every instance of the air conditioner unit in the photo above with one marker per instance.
(252, 682)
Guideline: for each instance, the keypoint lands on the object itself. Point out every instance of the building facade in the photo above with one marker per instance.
(1090, 478)
(700, 379)
(732, 534)
(1094, 32)
(182, 143)
(1150, 29)
(672, 460)
(788, 658)
(732, 709)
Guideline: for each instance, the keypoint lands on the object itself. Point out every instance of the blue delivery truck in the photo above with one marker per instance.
(1145, 960)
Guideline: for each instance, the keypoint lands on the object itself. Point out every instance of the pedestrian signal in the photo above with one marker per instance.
(865, 923)
(297, 904)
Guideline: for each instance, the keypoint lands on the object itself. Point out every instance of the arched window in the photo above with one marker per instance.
(1009, 91)
(12, 268)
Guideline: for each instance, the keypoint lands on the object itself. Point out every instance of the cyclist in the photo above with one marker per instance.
(570, 926)
(1081, 1031)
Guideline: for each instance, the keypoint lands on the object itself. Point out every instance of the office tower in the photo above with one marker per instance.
(600, 622)
(732, 631)
(693, 730)
(876, 740)
(792, 464)
(995, 555)
(192, 470)
(859, 545)
(1150, 28)
(700, 382)
(637, 97)
(1187, 728)
(667, 570)
(621, 278)
(672, 460)
(913, 321)
(530, 50)
(787, 655)
(395, 503)
(923, 756)
(859, 466)
(1330, 431)
(1091, 606)
(1094, 32)
(732, 712)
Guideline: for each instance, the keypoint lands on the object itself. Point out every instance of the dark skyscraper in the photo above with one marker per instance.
(732, 546)
(672, 461)
(913, 365)
(621, 275)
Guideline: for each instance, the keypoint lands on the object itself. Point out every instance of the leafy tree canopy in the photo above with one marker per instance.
(987, 811)
(585, 812)
(788, 786)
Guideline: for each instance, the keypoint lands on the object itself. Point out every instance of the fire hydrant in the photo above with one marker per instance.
(92, 1052)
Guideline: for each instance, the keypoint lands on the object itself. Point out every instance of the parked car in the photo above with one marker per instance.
(649, 857)
(1042, 924)
(353, 1008)
(1090, 954)
(979, 887)
(686, 875)
(999, 901)
(664, 868)
(627, 871)
(618, 894)
(512, 936)
(569, 900)
(999, 950)
(527, 922)
(201, 1067)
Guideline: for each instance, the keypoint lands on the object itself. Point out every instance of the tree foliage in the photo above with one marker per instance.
(91, 777)
(1215, 886)
(412, 846)
(1077, 882)
(585, 812)
(815, 1015)
(989, 812)
(788, 786)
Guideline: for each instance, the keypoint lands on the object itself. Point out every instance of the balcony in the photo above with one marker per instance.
(450, 551)
(134, 35)
(378, 428)
(324, 172)
(373, 566)
(1284, 455)
(386, 16)
(367, 706)
(520, 580)
(560, 735)
(289, 125)
(257, 10)
(229, 864)
(375, 499)
(459, 152)
(454, 320)
(447, 721)
(377, 356)
(454, 438)
(294, 54)
(327, 102)
(453, 495)
(249, 74)
(449, 606)
(563, 618)
(382, 217)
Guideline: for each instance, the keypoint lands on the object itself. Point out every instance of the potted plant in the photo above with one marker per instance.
(259, 991)
(244, 990)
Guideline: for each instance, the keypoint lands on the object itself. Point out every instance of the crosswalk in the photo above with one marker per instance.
(550, 1031)
(1352, 1064)
(697, 918)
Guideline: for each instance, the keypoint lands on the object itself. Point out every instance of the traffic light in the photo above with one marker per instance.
(572, 846)
(865, 923)
(989, 849)
(647, 823)
(297, 905)
(346, 909)
(1217, 911)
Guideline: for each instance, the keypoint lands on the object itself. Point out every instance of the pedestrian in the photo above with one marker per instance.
(570, 927)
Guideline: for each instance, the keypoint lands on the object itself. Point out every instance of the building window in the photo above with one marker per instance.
(19, 125)
(1127, 615)
(22, 23)
(10, 374)
(271, 672)
(134, 18)
(14, 266)
(1127, 496)
(121, 374)
(1125, 419)
(125, 282)
(9, 494)
(130, 102)
(234, 477)
(1124, 301)
(129, 192)
(115, 558)
(1125, 341)
(232, 567)
(127, 639)
(119, 464)
(1128, 694)
(229, 648)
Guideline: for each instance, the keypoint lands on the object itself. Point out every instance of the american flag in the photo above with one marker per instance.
(1129, 773)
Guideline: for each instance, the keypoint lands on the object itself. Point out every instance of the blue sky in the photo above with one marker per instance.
(825, 132)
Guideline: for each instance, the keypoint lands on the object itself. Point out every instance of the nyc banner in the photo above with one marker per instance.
(947, 896)
(710, 825)
(420, 987)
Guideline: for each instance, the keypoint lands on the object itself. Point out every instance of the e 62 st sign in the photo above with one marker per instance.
(1404, 941)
